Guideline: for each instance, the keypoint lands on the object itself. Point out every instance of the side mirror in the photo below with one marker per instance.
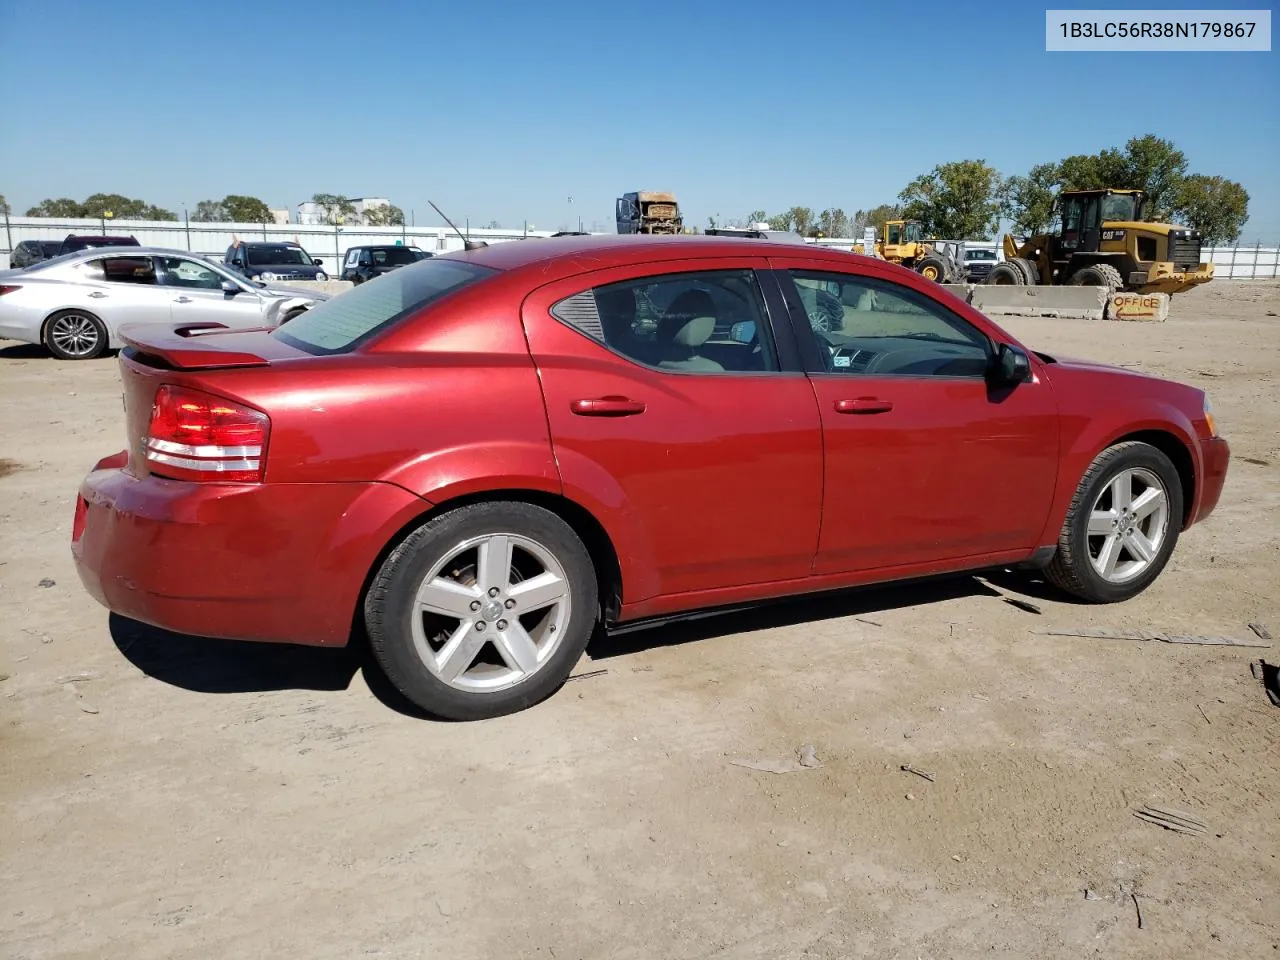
(230, 286)
(317, 262)
(744, 331)
(1012, 364)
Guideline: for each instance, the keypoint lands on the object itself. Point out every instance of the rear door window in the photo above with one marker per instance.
(344, 322)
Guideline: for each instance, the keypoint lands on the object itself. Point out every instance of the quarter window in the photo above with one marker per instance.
(706, 322)
(877, 328)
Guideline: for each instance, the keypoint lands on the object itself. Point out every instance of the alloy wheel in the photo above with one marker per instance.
(75, 334)
(491, 613)
(1128, 525)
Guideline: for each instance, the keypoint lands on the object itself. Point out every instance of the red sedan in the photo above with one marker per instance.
(480, 457)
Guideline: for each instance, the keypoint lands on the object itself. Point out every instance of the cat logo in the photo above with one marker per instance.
(1112, 235)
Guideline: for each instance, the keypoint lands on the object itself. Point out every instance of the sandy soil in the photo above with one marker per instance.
(197, 799)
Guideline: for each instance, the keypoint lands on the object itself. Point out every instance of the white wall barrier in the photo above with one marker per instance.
(331, 243)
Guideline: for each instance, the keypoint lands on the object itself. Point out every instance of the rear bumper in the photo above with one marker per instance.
(283, 563)
(1217, 457)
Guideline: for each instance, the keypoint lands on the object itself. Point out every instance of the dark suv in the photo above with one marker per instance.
(33, 251)
(73, 243)
(273, 261)
(365, 263)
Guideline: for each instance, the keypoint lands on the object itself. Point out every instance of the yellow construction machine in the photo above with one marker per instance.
(901, 241)
(1103, 242)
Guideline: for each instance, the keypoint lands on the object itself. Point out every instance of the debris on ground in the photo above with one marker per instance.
(865, 620)
(1092, 633)
(911, 796)
(46, 582)
(1026, 605)
(1090, 895)
(1203, 714)
(1133, 896)
(1269, 677)
(588, 675)
(77, 678)
(84, 705)
(1261, 631)
(908, 768)
(1176, 820)
(806, 758)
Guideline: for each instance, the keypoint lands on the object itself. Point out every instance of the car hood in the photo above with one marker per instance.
(283, 290)
(1082, 365)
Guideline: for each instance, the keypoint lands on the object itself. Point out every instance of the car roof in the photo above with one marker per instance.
(610, 250)
(132, 251)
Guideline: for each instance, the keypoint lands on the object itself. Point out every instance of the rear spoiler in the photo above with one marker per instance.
(178, 347)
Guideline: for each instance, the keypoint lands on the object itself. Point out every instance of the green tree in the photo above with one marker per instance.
(246, 209)
(1157, 167)
(119, 206)
(781, 221)
(336, 208)
(210, 211)
(4, 205)
(757, 216)
(63, 207)
(1029, 201)
(1215, 206)
(388, 216)
(152, 212)
(834, 222)
(802, 221)
(956, 201)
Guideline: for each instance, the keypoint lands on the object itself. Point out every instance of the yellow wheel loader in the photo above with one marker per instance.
(1103, 242)
(901, 241)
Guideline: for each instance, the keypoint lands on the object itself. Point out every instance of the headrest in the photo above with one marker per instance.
(690, 320)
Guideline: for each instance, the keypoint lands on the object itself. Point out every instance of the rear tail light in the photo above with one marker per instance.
(196, 436)
(8, 288)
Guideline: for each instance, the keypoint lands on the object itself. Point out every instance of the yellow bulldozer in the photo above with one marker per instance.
(1104, 242)
(902, 241)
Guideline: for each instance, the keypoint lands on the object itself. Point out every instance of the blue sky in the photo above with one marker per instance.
(506, 110)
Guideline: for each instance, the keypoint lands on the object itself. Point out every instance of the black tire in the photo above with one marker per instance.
(389, 608)
(1098, 275)
(75, 335)
(1006, 274)
(1072, 568)
(1030, 271)
(933, 267)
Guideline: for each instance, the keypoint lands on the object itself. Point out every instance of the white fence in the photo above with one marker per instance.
(329, 244)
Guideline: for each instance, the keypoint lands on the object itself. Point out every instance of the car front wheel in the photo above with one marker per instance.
(483, 611)
(1122, 525)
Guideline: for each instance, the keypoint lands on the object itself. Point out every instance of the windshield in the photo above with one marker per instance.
(913, 233)
(340, 324)
(269, 254)
(981, 254)
(1119, 206)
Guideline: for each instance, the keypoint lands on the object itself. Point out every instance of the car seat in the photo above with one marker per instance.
(686, 325)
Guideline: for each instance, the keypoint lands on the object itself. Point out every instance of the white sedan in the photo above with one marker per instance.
(75, 303)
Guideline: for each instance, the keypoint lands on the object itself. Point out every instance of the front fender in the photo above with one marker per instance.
(1085, 437)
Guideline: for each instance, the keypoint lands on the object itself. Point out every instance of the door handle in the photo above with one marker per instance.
(97, 294)
(182, 300)
(607, 407)
(864, 405)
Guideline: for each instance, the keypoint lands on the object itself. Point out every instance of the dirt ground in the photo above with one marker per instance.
(200, 799)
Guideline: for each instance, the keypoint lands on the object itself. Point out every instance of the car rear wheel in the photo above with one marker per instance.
(75, 335)
(1122, 525)
(483, 611)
